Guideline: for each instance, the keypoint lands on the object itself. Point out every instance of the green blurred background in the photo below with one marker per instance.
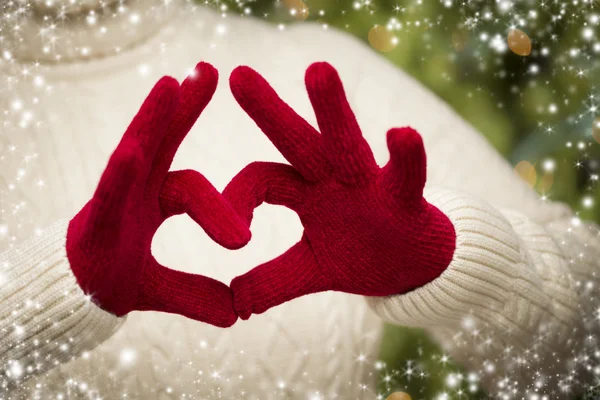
(539, 108)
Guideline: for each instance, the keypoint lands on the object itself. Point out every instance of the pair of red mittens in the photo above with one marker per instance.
(368, 230)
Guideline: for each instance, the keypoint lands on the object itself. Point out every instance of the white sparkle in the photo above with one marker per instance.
(127, 356)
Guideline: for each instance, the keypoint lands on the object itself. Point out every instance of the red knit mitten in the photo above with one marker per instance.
(108, 241)
(367, 230)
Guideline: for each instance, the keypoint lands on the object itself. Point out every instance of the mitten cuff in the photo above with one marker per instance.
(491, 281)
(45, 318)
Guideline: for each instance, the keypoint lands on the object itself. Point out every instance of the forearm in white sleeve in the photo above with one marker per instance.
(514, 305)
(45, 318)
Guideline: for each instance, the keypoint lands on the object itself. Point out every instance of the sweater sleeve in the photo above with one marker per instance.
(515, 305)
(45, 318)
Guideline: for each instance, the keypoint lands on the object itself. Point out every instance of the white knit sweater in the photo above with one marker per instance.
(516, 298)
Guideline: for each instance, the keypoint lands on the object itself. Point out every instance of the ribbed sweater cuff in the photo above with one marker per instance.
(491, 280)
(45, 318)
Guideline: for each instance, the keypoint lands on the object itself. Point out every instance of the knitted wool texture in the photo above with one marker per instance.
(109, 240)
(367, 230)
(41, 298)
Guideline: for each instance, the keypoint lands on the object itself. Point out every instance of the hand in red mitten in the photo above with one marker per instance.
(367, 230)
(109, 240)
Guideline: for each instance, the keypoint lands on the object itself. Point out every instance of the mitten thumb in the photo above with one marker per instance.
(293, 274)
